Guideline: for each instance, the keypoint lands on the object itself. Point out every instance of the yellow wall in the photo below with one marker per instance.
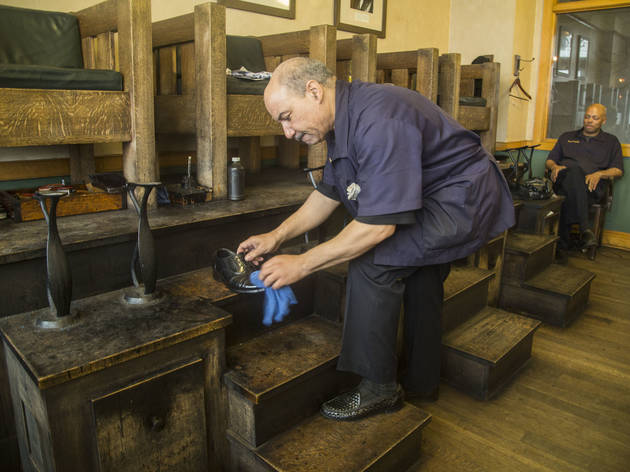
(411, 24)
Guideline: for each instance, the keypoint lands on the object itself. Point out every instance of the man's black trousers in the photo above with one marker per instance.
(571, 183)
(374, 296)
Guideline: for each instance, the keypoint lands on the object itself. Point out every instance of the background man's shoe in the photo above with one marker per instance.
(231, 269)
(353, 405)
(588, 239)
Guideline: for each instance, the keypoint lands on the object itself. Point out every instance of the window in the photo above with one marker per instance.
(589, 62)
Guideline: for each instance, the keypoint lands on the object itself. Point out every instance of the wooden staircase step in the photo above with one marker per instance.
(484, 353)
(556, 295)
(526, 255)
(383, 442)
(282, 376)
(465, 293)
(246, 309)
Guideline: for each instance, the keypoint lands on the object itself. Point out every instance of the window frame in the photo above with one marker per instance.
(551, 9)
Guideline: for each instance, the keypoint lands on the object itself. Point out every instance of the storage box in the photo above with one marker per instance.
(21, 206)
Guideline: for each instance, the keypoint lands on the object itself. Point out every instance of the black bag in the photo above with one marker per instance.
(534, 189)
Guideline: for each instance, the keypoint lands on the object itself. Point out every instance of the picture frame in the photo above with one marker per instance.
(361, 16)
(583, 50)
(281, 8)
(564, 53)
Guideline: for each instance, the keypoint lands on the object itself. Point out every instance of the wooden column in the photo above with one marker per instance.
(249, 152)
(427, 73)
(449, 77)
(288, 153)
(364, 57)
(134, 39)
(490, 91)
(323, 48)
(211, 98)
(81, 163)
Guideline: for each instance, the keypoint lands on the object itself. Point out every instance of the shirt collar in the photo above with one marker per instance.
(580, 134)
(338, 139)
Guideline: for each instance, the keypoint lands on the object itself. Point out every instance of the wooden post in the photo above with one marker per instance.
(81, 163)
(490, 91)
(134, 34)
(249, 152)
(322, 48)
(211, 98)
(449, 77)
(364, 57)
(427, 73)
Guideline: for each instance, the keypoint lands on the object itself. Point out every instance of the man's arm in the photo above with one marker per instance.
(354, 240)
(315, 210)
(593, 179)
(555, 169)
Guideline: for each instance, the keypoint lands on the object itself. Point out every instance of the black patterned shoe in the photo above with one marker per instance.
(353, 405)
(232, 269)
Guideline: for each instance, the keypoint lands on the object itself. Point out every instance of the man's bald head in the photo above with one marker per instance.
(597, 108)
(594, 118)
(295, 73)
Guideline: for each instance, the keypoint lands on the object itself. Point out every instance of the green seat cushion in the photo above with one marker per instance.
(39, 37)
(236, 86)
(472, 101)
(45, 77)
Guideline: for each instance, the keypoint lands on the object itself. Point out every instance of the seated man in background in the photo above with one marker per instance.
(578, 163)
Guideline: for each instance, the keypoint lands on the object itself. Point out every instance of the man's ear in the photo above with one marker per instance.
(314, 90)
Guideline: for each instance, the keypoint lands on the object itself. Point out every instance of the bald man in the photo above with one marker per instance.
(579, 163)
(422, 192)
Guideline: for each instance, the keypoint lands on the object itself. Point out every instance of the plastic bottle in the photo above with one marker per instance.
(236, 180)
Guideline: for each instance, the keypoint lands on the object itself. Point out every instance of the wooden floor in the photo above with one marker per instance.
(568, 410)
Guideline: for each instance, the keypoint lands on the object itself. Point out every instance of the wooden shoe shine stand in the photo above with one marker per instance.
(531, 283)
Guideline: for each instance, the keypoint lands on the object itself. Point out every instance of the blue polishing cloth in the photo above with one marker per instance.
(276, 304)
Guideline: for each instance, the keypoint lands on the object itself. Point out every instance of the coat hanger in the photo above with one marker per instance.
(517, 82)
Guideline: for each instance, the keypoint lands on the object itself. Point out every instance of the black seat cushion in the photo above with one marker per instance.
(236, 86)
(472, 101)
(46, 77)
(39, 37)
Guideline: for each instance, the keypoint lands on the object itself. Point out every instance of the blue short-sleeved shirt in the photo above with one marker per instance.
(592, 153)
(405, 154)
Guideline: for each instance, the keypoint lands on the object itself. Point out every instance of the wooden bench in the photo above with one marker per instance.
(114, 34)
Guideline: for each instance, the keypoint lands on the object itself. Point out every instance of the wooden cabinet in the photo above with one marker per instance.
(127, 388)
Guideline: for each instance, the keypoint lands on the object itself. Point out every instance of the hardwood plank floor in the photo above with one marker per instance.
(568, 410)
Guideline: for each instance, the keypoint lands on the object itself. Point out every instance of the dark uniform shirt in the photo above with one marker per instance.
(395, 158)
(591, 153)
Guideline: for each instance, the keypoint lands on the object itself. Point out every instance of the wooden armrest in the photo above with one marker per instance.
(99, 18)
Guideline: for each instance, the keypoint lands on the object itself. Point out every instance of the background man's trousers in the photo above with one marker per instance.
(373, 300)
(571, 183)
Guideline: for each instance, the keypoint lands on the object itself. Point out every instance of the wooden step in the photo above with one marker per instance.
(282, 377)
(484, 353)
(246, 309)
(526, 255)
(556, 296)
(465, 293)
(384, 442)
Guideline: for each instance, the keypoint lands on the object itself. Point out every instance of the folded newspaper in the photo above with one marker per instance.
(243, 73)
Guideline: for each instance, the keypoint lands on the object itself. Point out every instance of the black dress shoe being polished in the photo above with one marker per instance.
(233, 270)
(355, 404)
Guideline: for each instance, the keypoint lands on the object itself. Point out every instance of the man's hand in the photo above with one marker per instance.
(555, 171)
(256, 246)
(282, 270)
(592, 180)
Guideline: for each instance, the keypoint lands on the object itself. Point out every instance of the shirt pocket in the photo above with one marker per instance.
(448, 217)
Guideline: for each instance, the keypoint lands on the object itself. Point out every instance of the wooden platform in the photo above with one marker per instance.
(382, 442)
(568, 411)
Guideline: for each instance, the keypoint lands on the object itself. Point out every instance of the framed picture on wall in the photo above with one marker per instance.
(283, 8)
(361, 16)
(565, 48)
(581, 67)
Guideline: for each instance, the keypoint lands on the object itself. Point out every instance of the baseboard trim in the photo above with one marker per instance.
(616, 239)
